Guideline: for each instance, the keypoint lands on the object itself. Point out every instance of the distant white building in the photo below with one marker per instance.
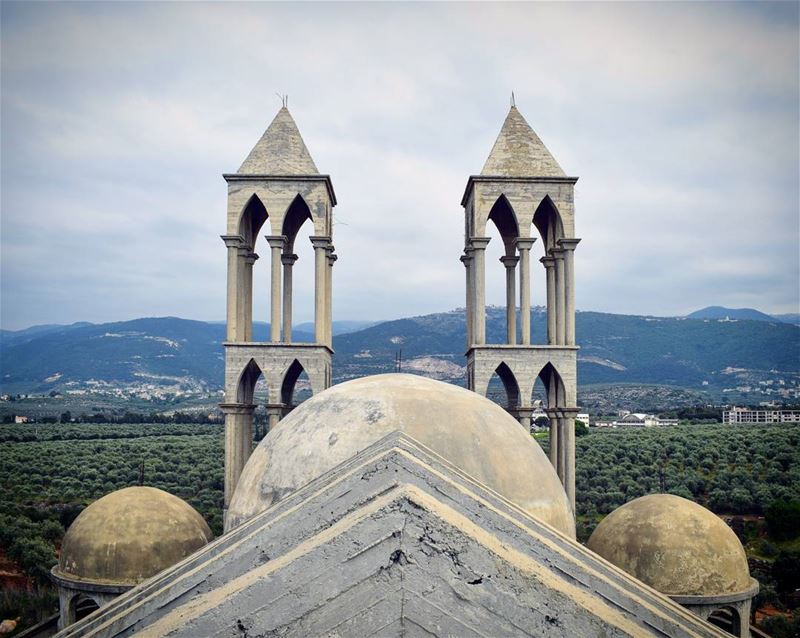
(746, 415)
(639, 419)
(20, 419)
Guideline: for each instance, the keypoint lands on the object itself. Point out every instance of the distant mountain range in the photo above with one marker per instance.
(187, 354)
(718, 312)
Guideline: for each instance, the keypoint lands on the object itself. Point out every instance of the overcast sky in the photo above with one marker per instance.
(681, 121)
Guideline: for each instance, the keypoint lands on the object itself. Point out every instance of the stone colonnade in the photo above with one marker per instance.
(559, 265)
(240, 289)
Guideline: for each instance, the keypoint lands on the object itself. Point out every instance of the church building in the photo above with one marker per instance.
(395, 505)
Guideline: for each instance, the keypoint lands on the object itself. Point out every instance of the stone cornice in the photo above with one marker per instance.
(67, 580)
(236, 177)
(233, 241)
(569, 243)
(719, 599)
(237, 408)
(479, 243)
(509, 261)
(320, 241)
(276, 241)
(473, 179)
(524, 243)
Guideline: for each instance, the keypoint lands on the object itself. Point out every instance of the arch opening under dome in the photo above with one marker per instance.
(728, 619)
(80, 606)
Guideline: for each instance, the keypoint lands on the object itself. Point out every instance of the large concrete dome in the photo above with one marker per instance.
(674, 545)
(470, 431)
(130, 535)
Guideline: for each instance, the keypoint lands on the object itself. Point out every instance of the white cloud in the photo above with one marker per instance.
(681, 120)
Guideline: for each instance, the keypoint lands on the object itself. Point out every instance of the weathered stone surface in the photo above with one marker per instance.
(275, 193)
(395, 541)
(469, 430)
(674, 545)
(525, 363)
(129, 535)
(518, 152)
(280, 151)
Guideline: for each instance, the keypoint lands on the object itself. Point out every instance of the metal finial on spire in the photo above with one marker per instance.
(513, 102)
(284, 99)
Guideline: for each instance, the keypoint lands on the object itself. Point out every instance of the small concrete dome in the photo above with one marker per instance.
(129, 535)
(470, 431)
(674, 545)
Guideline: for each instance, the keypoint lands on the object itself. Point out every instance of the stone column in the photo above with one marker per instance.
(466, 259)
(510, 262)
(552, 416)
(329, 297)
(558, 256)
(320, 244)
(568, 246)
(562, 449)
(288, 260)
(549, 266)
(238, 422)
(524, 245)
(276, 244)
(233, 243)
(479, 285)
(524, 417)
(568, 425)
(249, 259)
(274, 413)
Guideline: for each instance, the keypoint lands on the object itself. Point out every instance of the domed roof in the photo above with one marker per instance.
(674, 545)
(470, 431)
(130, 535)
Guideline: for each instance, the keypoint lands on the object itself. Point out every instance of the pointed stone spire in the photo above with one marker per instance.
(280, 151)
(518, 152)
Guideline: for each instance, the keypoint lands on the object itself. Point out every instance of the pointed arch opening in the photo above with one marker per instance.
(296, 386)
(539, 418)
(727, 619)
(298, 269)
(547, 221)
(252, 218)
(296, 215)
(246, 387)
(81, 606)
(504, 218)
(503, 387)
(555, 392)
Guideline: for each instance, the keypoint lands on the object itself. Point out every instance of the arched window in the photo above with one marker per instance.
(251, 220)
(548, 222)
(296, 386)
(81, 606)
(503, 388)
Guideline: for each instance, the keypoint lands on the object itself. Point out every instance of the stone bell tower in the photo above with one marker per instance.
(276, 190)
(523, 191)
